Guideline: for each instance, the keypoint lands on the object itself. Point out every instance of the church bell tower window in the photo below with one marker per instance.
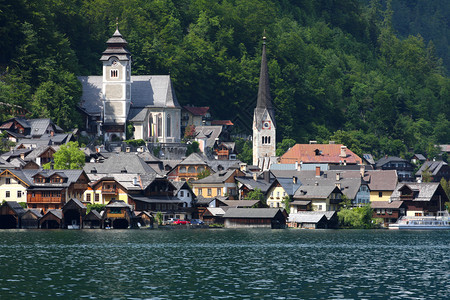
(114, 73)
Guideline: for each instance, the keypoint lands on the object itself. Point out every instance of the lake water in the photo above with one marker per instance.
(222, 263)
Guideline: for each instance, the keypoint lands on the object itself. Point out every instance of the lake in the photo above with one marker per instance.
(224, 263)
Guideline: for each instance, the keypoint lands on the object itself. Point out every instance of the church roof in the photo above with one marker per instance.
(146, 91)
(116, 47)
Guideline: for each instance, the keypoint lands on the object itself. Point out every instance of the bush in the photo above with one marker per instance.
(357, 217)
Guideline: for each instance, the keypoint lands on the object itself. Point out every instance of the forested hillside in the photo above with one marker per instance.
(338, 69)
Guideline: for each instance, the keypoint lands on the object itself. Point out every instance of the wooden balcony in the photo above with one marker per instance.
(110, 191)
(39, 199)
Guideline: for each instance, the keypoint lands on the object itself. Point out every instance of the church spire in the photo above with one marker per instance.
(264, 99)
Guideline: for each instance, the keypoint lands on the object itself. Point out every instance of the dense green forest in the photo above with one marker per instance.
(339, 70)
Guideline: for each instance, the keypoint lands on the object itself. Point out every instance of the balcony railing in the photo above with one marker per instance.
(111, 191)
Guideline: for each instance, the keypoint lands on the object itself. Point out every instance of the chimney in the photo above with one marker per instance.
(312, 142)
(338, 184)
(343, 151)
(255, 177)
(52, 133)
(266, 175)
(317, 171)
(362, 170)
(127, 149)
(331, 142)
(300, 166)
(22, 156)
(294, 179)
(338, 176)
(243, 167)
(296, 165)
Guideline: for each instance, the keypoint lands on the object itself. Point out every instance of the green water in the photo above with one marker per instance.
(218, 264)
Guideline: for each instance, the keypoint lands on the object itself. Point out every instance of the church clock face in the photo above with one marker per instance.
(266, 125)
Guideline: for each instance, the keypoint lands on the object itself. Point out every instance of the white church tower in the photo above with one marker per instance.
(264, 127)
(116, 86)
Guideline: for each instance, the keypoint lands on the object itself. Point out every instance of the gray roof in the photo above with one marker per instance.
(35, 211)
(16, 207)
(288, 185)
(5, 165)
(433, 166)
(424, 190)
(39, 126)
(253, 184)
(386, 204)
(381, 180)
(119, 163)
(420, 157)
(146, 91)
(308, 217)
(167, 199)
(216, 211)
(263, 213)
(369, 158)
(218, 177)
(316, 192)
(27, 177)
(93, 215)
(240, 203)
(194, 159)
(37, 152)
(56, 212)
(118, 203)
(211, 133)
(381, 162)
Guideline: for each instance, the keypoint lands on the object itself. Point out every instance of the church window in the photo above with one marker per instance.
(268, 138)
(263, 140)
(168, 126)
(159, 125)
(114, 73)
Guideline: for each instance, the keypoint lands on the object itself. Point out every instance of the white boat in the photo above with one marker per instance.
(442, 221)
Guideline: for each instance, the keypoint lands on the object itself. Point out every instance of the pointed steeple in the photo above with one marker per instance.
(264, 99)
(264, 102)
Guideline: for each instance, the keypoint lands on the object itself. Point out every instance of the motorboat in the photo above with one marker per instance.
(439, 222)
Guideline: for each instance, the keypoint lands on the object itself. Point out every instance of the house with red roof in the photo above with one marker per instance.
(331, 154)
(197, 116)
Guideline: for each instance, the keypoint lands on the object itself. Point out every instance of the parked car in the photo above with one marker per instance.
(181, 222)
(197, 222)
(171, 221)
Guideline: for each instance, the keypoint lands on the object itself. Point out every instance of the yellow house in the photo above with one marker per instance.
(320, 198)
(219, 184)
(381, 183)
(281, 188)
(13, 186)
(103, 189)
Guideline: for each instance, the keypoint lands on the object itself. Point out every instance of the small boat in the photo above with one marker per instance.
(442, 221)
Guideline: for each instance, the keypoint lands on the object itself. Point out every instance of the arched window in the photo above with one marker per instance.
(269, 140)
(159, 125)
(262, 140)
(168, 126)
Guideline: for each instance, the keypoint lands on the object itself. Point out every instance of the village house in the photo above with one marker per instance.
(222, 183)
(20, 128)
(249, 183)
(326, 154)
(381, 184)
(196, 116)
(405, 169)
(436, 171)
(44, 189)
(321, 197)
(190, 168)
(280, 189)
(420, 199)
(274, 218)
(313, 219)
(13, 186)
(388, 211)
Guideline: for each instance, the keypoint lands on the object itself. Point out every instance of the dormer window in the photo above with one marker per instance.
(114, 73)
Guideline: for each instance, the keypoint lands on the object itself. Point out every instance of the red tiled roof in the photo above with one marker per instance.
(221, 122)
(319, 153)
(197, 111)
(6, 125)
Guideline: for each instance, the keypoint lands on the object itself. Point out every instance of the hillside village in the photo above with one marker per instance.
(154, 181)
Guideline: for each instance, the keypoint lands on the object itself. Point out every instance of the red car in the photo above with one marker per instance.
(181, 222)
